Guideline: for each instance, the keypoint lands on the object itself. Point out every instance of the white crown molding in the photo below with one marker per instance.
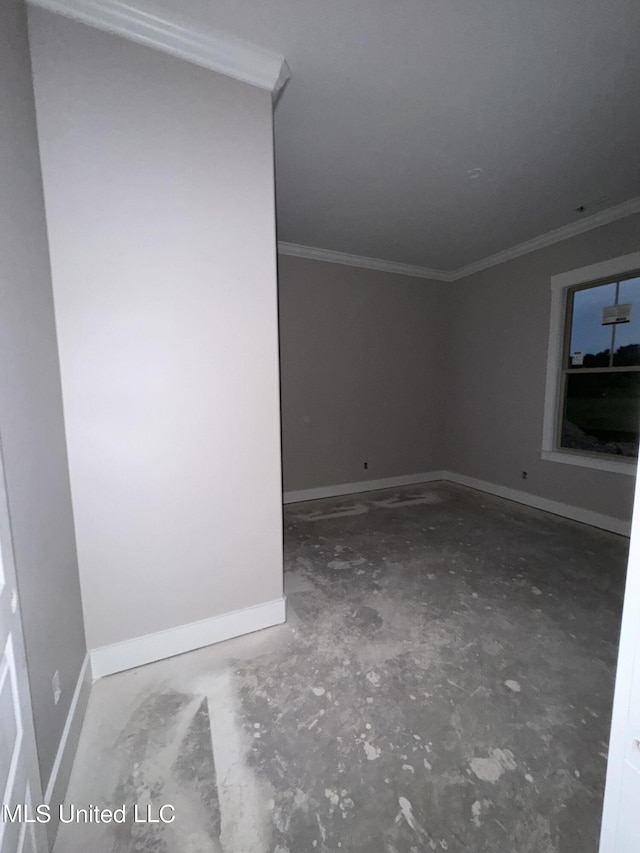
(580, 226)
(359, 261)
(179, 36)
(588, 223)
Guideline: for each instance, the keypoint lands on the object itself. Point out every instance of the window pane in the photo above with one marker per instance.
(627, 339)
(588, 335)
(602, 412)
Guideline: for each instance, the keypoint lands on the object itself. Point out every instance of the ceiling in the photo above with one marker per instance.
(392, 103)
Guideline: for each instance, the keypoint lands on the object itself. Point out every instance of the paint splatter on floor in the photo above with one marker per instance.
(444, 675)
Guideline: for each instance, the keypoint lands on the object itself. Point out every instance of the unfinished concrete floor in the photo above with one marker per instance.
(444, 682)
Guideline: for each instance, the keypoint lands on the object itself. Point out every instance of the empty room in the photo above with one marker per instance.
(319, 426)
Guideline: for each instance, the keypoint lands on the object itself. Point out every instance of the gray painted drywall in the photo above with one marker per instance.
(416, 376)
(498, 332)
(158, 180)
(31, 416)
(362, 360)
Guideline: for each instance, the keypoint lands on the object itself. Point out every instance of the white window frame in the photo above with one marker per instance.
(560, 285)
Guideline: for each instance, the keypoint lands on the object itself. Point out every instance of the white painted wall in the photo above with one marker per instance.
(159, 189)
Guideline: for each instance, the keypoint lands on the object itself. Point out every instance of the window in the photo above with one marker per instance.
(592, 410)
(600, 386)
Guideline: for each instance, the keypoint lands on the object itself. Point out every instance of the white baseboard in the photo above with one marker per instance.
(185, 638)
(576, 513)
(363, 486)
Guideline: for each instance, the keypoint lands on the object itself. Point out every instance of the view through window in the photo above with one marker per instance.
(601, 369)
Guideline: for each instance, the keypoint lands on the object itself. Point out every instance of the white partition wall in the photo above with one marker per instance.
(159, 188)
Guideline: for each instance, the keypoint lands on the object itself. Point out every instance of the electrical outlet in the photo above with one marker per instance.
(57, 689)
(366, 465)
(524, 475)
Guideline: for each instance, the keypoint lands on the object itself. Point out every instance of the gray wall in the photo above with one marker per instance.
(158, 180)
(498, 332)
(362, 373)
(31, 419)
(416, 376)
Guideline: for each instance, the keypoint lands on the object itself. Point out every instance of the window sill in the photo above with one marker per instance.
(594, 462)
